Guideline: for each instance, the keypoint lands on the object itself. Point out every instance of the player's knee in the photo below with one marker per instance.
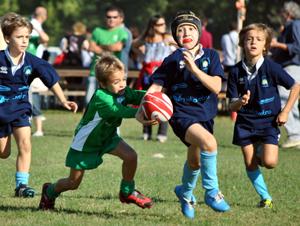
(131, 157)
(210, 145)
(270, 164)
(25, 146)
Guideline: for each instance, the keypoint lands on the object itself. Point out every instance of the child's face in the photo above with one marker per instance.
(254, 43)
(187, 35)
(116, 83)
(19, 39)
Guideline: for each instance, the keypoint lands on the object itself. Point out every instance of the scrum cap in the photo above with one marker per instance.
(185, 17)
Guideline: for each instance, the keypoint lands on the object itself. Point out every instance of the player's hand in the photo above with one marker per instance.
(245, 98)
(70, 105)
(189, 60)
(140, 117)
(282, 118)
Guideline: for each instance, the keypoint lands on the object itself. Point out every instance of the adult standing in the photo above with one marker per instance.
(108, 39)
(155, 45)
(206, 39)
(287, 53)
(229, 45)
(37, 42)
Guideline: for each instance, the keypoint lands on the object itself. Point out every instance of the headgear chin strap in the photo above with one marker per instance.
(185, 17)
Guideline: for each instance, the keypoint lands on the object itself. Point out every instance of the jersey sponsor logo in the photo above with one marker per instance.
(241, 80)
(4, 88)
(179, 86)
(205, 62)
(190, 99)
(4, 99)
(266, 100)
(181, 64)
(3, 70)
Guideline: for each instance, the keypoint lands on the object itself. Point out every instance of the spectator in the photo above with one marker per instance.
(286, 51)
(111, 38)
(206, 38)
(229, 44)
(37, 42)
(127, 45)
(75, 47)
(155, 42)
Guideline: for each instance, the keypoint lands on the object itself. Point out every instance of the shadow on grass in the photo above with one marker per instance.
(56, 133)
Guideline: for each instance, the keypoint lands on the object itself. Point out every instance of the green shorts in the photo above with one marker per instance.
(90, 160)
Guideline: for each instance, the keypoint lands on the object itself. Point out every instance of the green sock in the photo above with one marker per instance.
(127, 187)
(51, 193)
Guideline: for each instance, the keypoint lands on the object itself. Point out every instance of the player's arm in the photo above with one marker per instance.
(213, 83)
(70, 105)
(293, 96)
(116, 47)
(93, 47)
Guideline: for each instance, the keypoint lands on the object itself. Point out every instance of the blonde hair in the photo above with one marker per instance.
(79, 28)
(11, 21)
(106, 66)
(259, 27)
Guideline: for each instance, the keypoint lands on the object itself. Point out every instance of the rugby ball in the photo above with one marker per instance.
(157, 106)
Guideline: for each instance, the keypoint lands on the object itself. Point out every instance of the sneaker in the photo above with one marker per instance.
(146, 136)
(38, 134)
(137, 198)
(46, 203)
(187, 206)
(290, 143)
(217, 202)
(24, 191)
(162, 138)
(265, 203)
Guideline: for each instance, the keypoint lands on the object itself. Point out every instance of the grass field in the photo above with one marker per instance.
(96, 201)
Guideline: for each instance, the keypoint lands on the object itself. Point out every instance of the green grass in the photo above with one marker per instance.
(96, 201)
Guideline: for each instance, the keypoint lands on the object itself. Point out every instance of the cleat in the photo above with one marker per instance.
(137, 198)
(24, 191)
(265, 203)
(187, 206)
(46, 203)
(217, 202)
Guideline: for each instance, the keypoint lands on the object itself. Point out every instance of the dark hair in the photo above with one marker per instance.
(115, 8)
(149, 31)
(260, 27)
(11, 21)
(185, 16)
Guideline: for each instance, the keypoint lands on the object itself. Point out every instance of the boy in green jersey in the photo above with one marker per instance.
(97, 135)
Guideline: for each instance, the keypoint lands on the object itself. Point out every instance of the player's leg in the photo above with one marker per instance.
(51, 191)
(255, 175)
(22, 137)
(128, 193)
(270, 156)
(5, 147)
(201, 137)
(191, 171)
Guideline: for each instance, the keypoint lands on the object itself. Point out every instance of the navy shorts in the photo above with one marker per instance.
(7, 129)
(245, 135)
(180, 126)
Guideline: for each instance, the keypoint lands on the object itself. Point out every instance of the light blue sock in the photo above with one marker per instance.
(258, 183)
(209, 172)
(21, 178)
(189, 181)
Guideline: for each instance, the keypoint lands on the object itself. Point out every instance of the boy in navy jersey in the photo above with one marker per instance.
(17, 70)
(192, 77)
(252, 89)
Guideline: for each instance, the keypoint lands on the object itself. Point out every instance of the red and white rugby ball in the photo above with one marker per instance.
(157, 106)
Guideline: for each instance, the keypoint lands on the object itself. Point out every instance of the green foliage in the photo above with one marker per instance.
(96, 201)
(62, 14)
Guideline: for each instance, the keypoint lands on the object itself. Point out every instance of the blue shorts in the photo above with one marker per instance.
(244, 135)
(7, 129)
(180, 126)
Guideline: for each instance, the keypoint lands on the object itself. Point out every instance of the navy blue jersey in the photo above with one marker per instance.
(190, 98)
(264, 104)
(14, 88)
